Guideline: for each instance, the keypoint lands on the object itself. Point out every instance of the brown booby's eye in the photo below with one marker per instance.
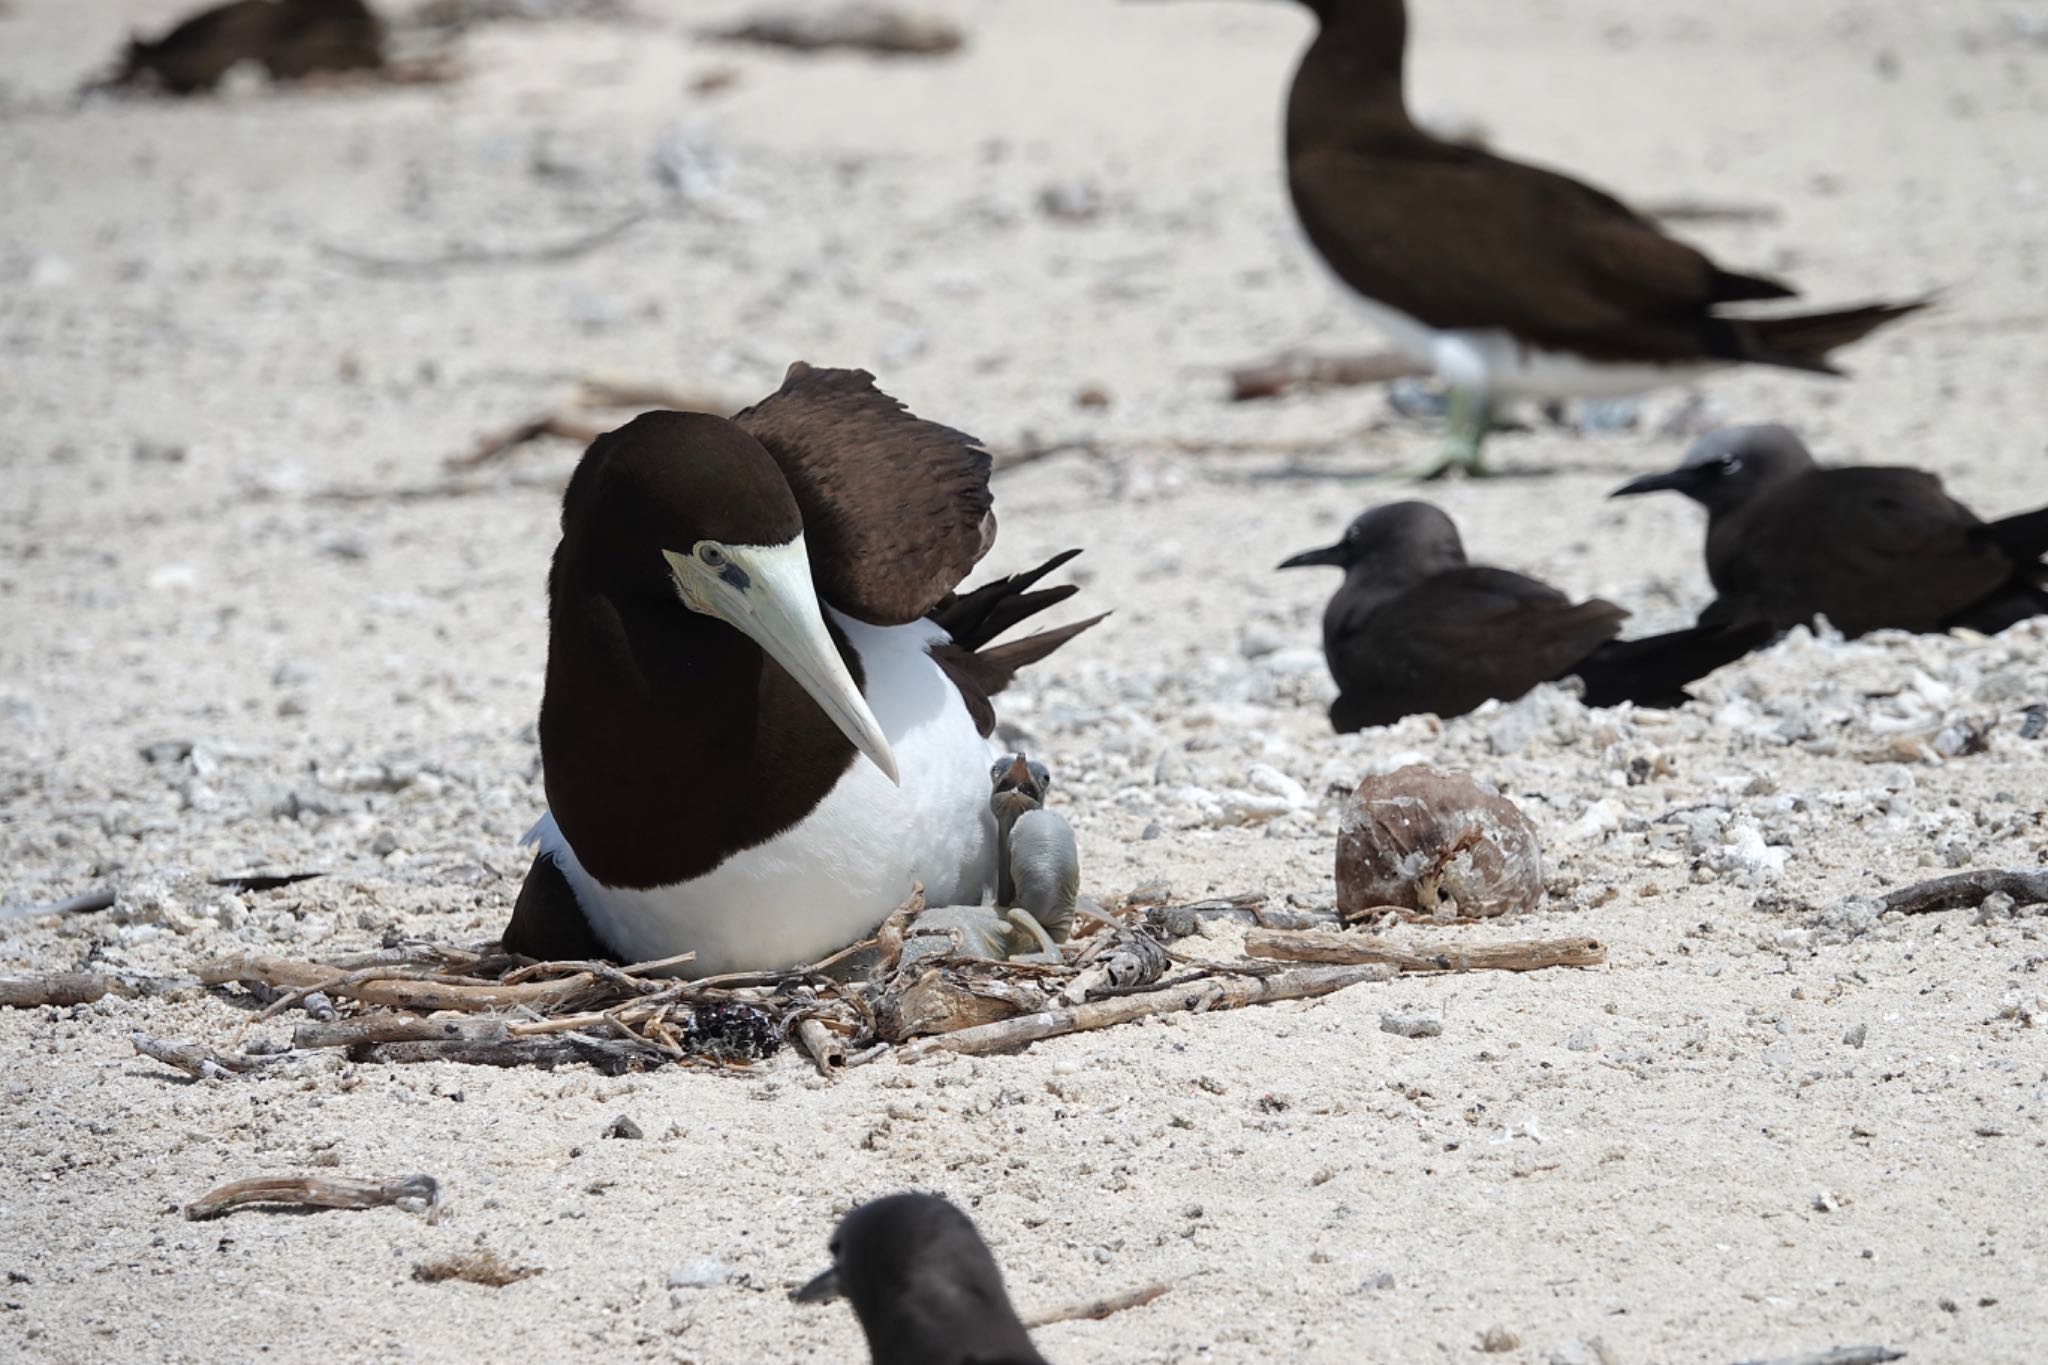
(710, 556)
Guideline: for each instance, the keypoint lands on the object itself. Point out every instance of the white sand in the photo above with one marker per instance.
(1678, 1156)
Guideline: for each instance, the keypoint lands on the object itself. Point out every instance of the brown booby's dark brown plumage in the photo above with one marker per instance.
(739, 610)
(1506, 279)
(1869, 547)
(1417, 629)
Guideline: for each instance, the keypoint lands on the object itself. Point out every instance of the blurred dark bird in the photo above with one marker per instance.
(1506, 279)
(924, 1286)
(1869, 547)
(1416, 629)
(738, 612)
(290, 39)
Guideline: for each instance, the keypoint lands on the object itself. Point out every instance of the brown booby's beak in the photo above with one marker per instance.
(820, 1288)
(765, 593)
(1329, 554)
(1676, 480)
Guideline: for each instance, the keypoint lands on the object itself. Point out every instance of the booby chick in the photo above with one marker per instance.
(766, 711)
(1415, 628)
(1869, 547)
(1505, 279)
(1038, 879)
(924, 1285)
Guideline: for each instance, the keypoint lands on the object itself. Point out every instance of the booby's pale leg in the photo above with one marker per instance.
(1471, 417)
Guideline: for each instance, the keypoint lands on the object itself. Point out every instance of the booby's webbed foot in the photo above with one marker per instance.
(1471, 417)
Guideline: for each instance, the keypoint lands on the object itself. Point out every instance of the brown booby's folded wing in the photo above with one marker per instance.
(1458, 238)
(896, 509)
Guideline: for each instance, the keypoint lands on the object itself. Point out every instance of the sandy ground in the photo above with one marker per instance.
(1773, 1123)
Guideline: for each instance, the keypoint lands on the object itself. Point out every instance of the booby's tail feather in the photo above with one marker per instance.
(980, 616)
(1804, 341)
(981, 669)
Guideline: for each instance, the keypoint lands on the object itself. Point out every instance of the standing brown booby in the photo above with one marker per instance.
(1869, 547)
(739, 611)
(924, 1285)
(1416, 628)
(1506, 279)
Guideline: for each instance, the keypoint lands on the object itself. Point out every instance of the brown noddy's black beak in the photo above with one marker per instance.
(820, 1288)
(1329, 554)
(1675, 480)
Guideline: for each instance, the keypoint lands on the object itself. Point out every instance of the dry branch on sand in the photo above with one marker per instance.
(1964, 889)
(413, 1193)
(1323, 945)
(1097, 1308)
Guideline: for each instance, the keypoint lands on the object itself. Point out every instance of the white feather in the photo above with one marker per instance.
(829, 879)
(1490, 359)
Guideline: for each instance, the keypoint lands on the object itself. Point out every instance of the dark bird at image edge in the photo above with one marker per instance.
(1869, 547)
(924, 1285)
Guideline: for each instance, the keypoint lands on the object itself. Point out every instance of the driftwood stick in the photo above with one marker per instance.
(1330, 945)
(65, 988)
(559, 422)
(1283, 374)
(413, 1193)
(827, 1049)
(1840, 1355)
(1968, 888)
(1098, 1308)
(194, 1060)
(85, 903)
(612, 1056)
(387, 1027)
(286, 974)
(1214, 993)
(545, 254)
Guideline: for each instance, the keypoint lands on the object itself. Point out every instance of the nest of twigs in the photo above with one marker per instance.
(415, 1002)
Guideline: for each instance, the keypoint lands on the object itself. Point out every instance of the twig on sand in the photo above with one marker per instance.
(590, 412)
(611, 1056)
(100, 898)
(387, 1026)
(1098, 1308)
(413, 1193)
(1708, 211)
(392, 986)
(1840, 1355)
(1287, 373)
(1213, 993)
(1326, 945)
(64, 988)
(1968, 888)
(547, 253)
(194, 1060)
(482, 1266)
(827, 1049)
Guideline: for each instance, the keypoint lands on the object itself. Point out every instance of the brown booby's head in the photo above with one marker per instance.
(1404, 541)
(1020, 784)
(1727, 467)
(688, 507)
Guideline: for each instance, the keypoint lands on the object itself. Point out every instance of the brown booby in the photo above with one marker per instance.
(1415, 628)
(1508, 280)
(1869, 547)
(924, 1286)
(766, 711)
